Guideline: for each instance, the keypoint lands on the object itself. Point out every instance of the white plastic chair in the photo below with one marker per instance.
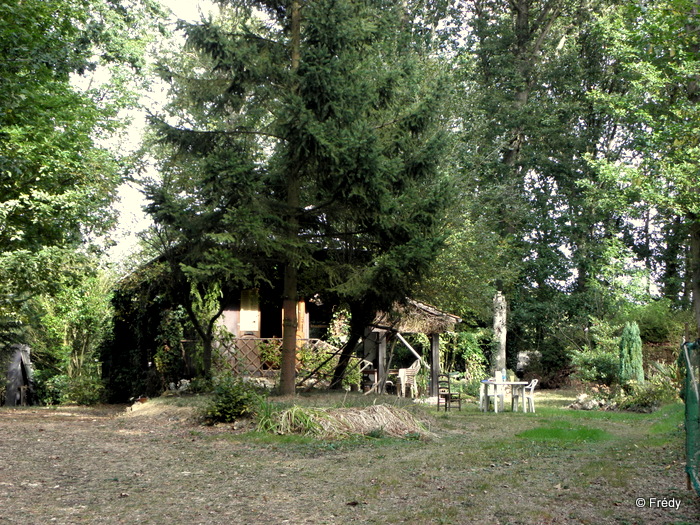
(492, 392)
(407, 377)
(518, 395)
(528, 392)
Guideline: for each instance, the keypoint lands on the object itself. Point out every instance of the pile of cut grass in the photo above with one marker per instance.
(376, 421)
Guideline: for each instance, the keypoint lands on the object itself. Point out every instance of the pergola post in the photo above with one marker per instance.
(381, 362)
(434, 363)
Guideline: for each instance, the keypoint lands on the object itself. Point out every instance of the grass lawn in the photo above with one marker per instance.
(155, 465)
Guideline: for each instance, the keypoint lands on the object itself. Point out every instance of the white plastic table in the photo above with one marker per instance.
(486, 384)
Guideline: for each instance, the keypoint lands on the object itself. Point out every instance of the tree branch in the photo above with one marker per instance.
(236, 131)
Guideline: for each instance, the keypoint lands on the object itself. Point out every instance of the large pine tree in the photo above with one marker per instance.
(305, 133)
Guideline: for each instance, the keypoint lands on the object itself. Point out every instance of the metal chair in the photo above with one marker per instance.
(445, 393)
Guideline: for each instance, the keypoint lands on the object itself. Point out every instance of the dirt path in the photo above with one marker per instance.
(154, 465)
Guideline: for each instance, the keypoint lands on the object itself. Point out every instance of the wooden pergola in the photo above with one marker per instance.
(411, 317)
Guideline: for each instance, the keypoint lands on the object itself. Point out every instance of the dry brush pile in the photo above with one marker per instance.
(375, 420)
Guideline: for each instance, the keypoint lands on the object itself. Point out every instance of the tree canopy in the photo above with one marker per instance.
(68, 69)
(366, 151)
(57, 180)
(316, 139)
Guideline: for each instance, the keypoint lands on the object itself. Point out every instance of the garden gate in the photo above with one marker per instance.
(691, 353)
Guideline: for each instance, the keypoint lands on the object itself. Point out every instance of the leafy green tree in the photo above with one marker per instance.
(658, 49)
(56, 181)
(532, 136)
(67, 331)
(631, 359)
(463, 276)
(310, 142)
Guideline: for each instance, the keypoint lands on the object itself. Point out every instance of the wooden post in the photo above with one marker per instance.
(381, 361)
(302, 326)
(434, 363)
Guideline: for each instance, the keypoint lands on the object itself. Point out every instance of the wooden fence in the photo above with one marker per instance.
(260, 357)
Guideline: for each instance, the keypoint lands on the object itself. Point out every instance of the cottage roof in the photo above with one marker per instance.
(416, 317)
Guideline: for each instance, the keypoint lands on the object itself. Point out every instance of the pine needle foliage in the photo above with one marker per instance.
(309, 139)
(631, 360)
(233, 399)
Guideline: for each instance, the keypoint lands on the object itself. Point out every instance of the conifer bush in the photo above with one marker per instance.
(233, 399)
(631, 360)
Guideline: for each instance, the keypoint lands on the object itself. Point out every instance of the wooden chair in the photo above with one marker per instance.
(407, 378)
(445, 394)
(528, 393)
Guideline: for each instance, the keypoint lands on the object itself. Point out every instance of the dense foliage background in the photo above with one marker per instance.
(367, 149)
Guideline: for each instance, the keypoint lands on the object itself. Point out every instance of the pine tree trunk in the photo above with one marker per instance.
(359, 319)
(289, 331)
(290, 287)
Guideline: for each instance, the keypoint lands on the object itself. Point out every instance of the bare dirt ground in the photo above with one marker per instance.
(155, 464)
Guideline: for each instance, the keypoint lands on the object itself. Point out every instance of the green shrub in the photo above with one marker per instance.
(233, 399)
(669, 373)
(596, 366)
(50, 387)
(84, 390)
(60, 389)
(473, 387)
(661, 388)
(168, 357)
(603, 335)
(552, 366)
(270, 354)
(200, 385)
(463, 351)
(648, 396)
(659, 322)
